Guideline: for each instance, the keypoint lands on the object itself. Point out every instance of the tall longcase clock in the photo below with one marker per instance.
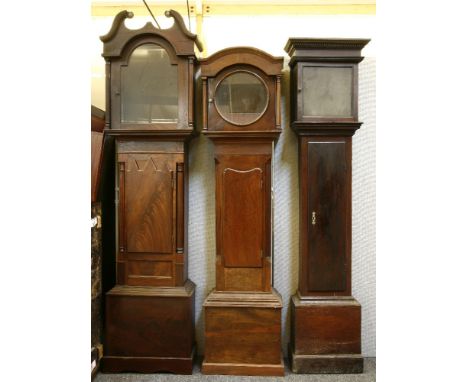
(150, 98)
(325, 318)
(241, 115)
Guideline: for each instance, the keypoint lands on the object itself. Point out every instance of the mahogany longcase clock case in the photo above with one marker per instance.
(241, 115)
(325, 318)
(149, 313)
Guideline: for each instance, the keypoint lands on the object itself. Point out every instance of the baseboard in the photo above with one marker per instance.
(326, 363)
(243, 369)
(112, 364)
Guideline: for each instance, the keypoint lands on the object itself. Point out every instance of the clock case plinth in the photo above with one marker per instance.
(243, 333)
(150, 329)
(325, 336)
(243, 312)
(149, 313)
(325, 318)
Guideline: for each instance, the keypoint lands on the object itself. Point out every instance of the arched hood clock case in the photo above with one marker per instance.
(149, 314)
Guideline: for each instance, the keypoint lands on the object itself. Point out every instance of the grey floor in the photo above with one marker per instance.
(367, 376)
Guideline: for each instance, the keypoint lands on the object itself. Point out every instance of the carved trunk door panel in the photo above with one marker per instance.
(327, 216)
(147, 216)
(148, 204)
(243, 204)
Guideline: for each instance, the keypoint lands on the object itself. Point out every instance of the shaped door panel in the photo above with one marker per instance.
(242, 234)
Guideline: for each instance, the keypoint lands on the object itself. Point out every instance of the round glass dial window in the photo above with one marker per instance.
(241, 98)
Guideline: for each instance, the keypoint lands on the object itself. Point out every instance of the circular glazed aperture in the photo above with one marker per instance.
(241, 98)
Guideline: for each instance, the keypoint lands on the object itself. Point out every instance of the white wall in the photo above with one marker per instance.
(270, 34)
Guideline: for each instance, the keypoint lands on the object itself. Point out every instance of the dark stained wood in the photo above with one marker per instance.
(191, 91)
(329, 202)
(330, 129)
(204, 103)
(96, 162)
(326, 327)
(325, 319)
(151, 212)
(327, 364)
(243, 313)
(178, 42)
(324, 49)
(325, 53)
(325, 247)
(119, 35)
(150, 311)
(181, 135)
(109, 248)
(148, 202)
(97, 144)
(164, 315)
(325, 336)
(149, 365)
(180, 192)
(141, 313)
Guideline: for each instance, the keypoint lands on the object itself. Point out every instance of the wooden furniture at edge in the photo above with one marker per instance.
(241, 115)
(325, 318)
(97, 127)
(149, 316)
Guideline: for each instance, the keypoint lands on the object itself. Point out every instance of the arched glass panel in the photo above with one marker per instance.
(241, 98)
(149, 87)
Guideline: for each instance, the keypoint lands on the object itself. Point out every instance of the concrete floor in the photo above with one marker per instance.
(367, 376)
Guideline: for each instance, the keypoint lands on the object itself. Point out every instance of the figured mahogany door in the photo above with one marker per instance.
(243, 216)
(242, 219)
(328, 215)
(150, 202)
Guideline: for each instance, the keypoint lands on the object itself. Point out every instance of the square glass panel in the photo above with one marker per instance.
(149, 87)
(327, 91)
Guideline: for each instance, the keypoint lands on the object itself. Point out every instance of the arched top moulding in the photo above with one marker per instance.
(178, 36)
(212, 65)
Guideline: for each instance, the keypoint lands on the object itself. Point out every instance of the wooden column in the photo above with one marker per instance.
(325, 318)
(243, 312)
(149, 322)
